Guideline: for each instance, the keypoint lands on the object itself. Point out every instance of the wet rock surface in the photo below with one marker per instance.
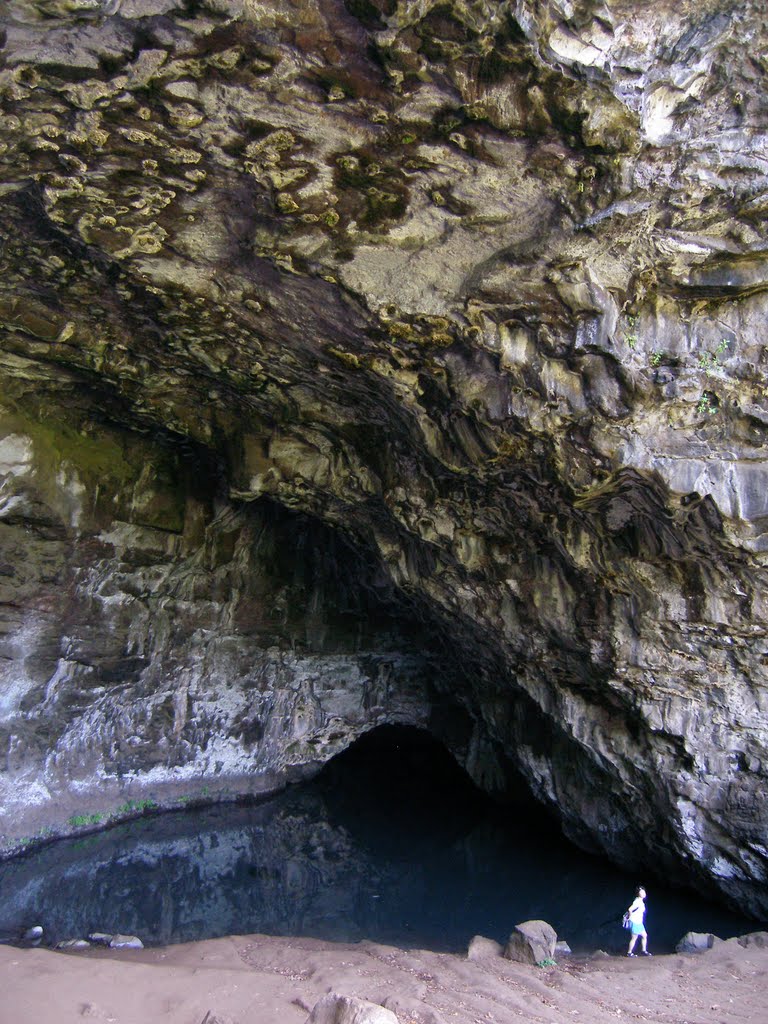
(387, 361)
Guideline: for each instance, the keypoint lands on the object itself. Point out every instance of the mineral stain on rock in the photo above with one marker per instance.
(388, 362)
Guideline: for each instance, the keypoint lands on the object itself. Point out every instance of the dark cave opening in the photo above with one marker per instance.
(394, 772)
(398, 766)
(391, 775)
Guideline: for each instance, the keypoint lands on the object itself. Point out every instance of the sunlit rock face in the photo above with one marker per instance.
(389, 361)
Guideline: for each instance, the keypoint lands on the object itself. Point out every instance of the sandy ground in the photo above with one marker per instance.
(257, 979)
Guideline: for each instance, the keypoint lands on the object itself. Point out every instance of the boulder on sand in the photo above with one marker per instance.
(336, 1009)
(696, 942)
(125, 942)
(481, 948)
(531, 943)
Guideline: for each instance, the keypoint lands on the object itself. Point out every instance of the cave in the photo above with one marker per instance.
(391, 842)
(401, 372)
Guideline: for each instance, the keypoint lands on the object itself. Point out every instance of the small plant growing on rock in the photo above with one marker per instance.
(707, 405)
(631, 336)
(79, 820)
(709, 361)
(132, 806)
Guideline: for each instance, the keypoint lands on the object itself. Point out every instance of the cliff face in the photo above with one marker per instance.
(378, 361)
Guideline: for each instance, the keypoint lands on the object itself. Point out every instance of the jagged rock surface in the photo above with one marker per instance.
(476, 293)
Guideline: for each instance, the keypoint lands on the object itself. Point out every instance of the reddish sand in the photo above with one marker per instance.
(258, 979)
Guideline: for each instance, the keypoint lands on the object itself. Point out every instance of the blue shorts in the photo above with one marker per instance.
(638, 929)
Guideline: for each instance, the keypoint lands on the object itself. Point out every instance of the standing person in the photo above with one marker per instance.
(636, 923)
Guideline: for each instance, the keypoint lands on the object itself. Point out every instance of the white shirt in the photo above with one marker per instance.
(637, 911)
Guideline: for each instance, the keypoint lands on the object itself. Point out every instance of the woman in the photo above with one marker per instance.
(637, 927)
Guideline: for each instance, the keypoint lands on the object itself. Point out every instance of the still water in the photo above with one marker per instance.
(353, 855)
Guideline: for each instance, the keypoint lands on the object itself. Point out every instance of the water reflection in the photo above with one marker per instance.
(307, 863)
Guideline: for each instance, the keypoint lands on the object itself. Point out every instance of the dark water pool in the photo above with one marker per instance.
(370, 859)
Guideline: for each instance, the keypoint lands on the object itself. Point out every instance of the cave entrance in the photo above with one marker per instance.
(397, 773)
(390, 842)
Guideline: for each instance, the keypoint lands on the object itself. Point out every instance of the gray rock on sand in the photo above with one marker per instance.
(125, 942)
(531, 942)
(758, 939)
(336, 1009)
(562, 948)
(73, 944)
(696, 942)
(481, 948)
(33, 935)
(116, 941)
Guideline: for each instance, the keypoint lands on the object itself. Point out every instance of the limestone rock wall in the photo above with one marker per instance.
(481, 287)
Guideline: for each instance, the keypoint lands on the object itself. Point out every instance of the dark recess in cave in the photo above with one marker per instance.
(399, 766)
(398, 772)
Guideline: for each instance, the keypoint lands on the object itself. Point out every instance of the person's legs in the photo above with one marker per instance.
(638, 932)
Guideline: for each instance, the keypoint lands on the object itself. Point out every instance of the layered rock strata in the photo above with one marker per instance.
(475, 293)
